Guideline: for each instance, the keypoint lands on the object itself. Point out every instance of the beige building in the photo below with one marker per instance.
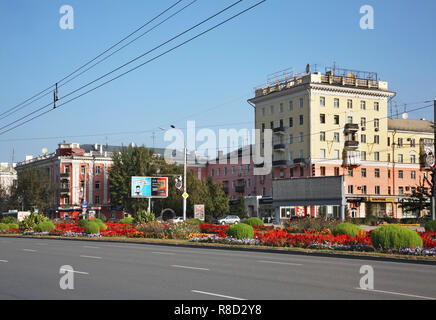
(8, 176)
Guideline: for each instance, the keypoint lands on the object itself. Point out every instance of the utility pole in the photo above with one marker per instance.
(433, 178)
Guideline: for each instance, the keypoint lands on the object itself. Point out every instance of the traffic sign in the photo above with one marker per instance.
(185, 195)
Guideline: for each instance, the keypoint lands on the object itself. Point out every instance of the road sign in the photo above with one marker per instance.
(84, 204)
(185, 195)
(149, 187)
(199, 211)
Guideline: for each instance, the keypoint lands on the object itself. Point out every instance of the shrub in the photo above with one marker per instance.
(299, 225)
(152, 227)
(3, 227)
(92, 227)
(194, 221)
(83, 222)
(241, 231)
(32, 220)
(395, 237)
(253, 222)
(45, 226)
(13, 225)
(182, 230)
(9, 219)
(99, 223)
(143, 216)
(127, 220)
(347, 228)
(102, 217)
(430, 226)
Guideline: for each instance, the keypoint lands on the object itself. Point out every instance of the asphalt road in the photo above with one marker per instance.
(30, 269)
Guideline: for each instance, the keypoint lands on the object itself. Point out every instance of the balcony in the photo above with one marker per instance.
(240, 189)
(351, 128)
(279, 147)
(279, 130)
(351, 144)
(300, 161)
(65, 175)
(279, 163)
(351, 158)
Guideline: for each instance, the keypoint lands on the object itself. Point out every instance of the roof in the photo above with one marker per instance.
(410, 125)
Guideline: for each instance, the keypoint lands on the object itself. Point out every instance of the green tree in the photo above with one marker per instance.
(418, 201)
(219, 202)
(239, 208)
(34, 189)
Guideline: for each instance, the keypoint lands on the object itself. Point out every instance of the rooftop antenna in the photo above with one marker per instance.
(396, 109)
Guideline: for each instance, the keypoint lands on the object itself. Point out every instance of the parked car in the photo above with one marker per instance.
(228, 220)
(176, 220)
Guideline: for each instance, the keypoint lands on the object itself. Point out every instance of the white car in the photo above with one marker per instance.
(229, 220)
(176, 220)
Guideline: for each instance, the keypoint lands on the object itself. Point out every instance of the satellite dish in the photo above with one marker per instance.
(44, 150)
(308, 69)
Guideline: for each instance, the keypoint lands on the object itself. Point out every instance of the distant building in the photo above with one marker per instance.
(8, 176)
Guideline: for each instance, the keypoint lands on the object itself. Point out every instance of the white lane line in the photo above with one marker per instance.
(4, 261)
(68, 270)
(396, 293)
(92, 257)
(276, 262)
(217, 295)
(186, 267)
(91, 247)
(29, 250)
(169, 253)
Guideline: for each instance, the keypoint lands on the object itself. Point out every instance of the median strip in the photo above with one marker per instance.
(186, 267)
(217, 295)
(396, 293)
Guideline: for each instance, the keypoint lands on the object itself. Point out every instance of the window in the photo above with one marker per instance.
(322, 118)
(389, 173)
(350, 189)
(376, 106)
(400, 158)
(389, 157)
(301, 154)
(362, 105)
(350, 172)
(336, 171)
(412, 142)
(212, 173)
(271, 110)
(377, 173)
(291, 139)
(291, 172)
(281, 123)
(301, 103)
(363, 138)
(363, 122)
(83, 169)
(412, 158)
(376, 124)
(400, 142)
(322, 169)
(97, 170)
(363, 172)
(225, 171)
(336, 154)
(336, 103)
(218, 172)
(301, 119)
(301, 137)
(350, 104)
(363, 189)
(301, 171)
(336, 137)
(291, 156)
(322, 136)
(336, 119)
(363, 155)
(263, 112)
(281, 107)
(233, 169)
(400, 190)
(400, 174)
(97, 199)
(322, 101)
(291, 122)
(97, 185)
(349, 119)
(263, 127)
(271, 124)
(389, 190)
(67, 169)
(413, 175)
(66, 200)
(377, 189)
(377, 139)
(377, 156)
(291, 105)
(282, 174)
(322, 153)
(233, 185)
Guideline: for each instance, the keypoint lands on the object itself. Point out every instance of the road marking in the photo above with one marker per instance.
(217, 295)
(396, 293)
(68, 270)
(4, 261)
(276, 262)
(195, 268)
(91, 247)
(169, 253)
(92, 257)
(29, 250)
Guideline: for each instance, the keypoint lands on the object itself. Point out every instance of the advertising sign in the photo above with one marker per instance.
(149, 187)
(199, 211)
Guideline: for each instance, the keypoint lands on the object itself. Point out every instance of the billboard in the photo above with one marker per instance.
(199, 211)
(149, 187)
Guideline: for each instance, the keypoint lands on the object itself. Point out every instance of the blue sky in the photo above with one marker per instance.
(209, 79)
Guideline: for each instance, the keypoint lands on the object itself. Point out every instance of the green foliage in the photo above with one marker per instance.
(143, 216)
(209, 219)
(99, 223)
(13, 226)
(3, 227)
(430, 226)
(45, 226)
(369, 213)
(253, 222)
(92, 227)
(182, 229)
(102, 217)
(395, 237)
(239, 209)
(194, 221)
(241, 231)
(9, 219)
(32, 220)
(83, 222)
(299, 225)
(127, 220)
(347, 228)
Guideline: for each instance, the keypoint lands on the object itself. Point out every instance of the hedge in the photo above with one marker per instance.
(395, 237)
(347, 228)
(45, 226)
(253, 222)
(430, 226)
(241, 231)
(92, 227)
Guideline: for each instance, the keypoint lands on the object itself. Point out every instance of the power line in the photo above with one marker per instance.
(87, 63)
(138, 66)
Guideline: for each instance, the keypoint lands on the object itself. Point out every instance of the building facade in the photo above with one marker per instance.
(8, 176)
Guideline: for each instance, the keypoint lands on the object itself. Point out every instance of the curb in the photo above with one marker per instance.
(263, 250)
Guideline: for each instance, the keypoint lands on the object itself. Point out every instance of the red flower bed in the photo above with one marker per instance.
(69, 227)
(428, 239)
(117, 230)
(219, 230)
